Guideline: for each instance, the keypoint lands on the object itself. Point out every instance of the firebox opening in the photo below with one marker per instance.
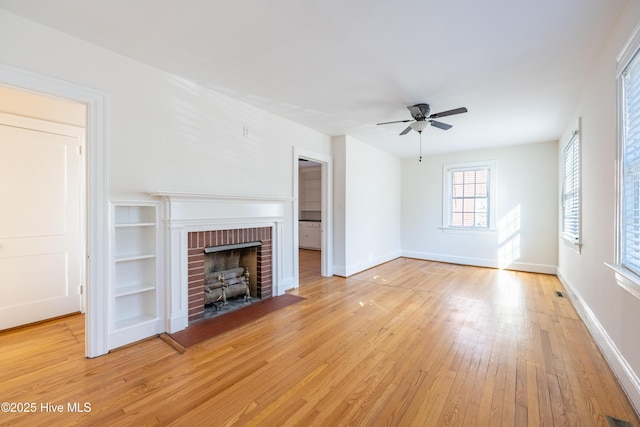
(230, 277)
(258, 262)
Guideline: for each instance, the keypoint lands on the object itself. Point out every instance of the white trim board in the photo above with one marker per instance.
(97, 208)
(350, 270)
(482, 262)
(625, 375)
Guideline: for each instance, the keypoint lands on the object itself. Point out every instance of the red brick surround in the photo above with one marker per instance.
(200, 239)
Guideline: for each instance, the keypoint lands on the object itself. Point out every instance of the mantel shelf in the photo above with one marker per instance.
(219, 197)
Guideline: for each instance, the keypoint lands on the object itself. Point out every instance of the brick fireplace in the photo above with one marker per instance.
(199, 240)
(195, 221)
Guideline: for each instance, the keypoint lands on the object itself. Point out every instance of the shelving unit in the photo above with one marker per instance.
(310, 208)
(136, 297)
(309, 197)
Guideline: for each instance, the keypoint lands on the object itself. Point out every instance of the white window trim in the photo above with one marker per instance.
(575, 241)
(446, 195)
(625, 278)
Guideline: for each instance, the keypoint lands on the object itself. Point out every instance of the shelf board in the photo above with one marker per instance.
(135, 289)
(135, 224)
(134, 257)
(134, 321)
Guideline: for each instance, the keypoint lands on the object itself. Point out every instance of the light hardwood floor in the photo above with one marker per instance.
(409, 343)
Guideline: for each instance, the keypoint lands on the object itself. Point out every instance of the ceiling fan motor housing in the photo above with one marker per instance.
(422, 119)
(420, 112)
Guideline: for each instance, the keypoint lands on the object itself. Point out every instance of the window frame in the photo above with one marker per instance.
(625, 277)
(572, 152)
(448, 171)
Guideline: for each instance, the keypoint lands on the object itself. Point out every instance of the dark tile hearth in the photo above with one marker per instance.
(217, 309)
(209, 328)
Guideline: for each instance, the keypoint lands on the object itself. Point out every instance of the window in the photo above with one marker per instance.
(571, 189)
(468, 200)
(629, 202)
(627, 256)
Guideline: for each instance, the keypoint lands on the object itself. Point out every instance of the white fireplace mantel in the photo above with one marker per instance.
(183, 213)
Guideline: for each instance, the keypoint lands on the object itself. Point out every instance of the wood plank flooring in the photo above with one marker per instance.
(408, 343)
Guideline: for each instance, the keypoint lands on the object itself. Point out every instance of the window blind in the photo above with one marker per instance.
(571, 189)
(630, 198)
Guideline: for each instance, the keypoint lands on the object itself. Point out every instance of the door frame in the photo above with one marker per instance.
(97, 207)
(326, 205)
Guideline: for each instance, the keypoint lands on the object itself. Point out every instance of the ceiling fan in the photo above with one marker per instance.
(421, 118)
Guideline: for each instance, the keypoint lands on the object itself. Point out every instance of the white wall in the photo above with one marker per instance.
(366, 206)
(525, 237)
(165, 133)
(610, 312)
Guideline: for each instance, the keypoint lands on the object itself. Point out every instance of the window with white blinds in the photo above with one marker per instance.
(630, 186)
(571, 189)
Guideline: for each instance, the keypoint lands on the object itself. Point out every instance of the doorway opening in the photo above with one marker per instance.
(96, 233)
(43, 143)
(313, 229)
(309, 220)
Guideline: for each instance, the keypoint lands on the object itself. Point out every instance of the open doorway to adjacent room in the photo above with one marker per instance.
(309, 220)
(43, 233)
(313, 226)
(91, 290)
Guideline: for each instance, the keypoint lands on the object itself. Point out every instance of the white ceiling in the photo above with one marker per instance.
(341, 66)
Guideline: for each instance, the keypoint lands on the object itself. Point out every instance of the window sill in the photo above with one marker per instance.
(467, 230)
(626, 280)
(575, 244)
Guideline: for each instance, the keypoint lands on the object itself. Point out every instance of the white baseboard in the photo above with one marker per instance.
(626, 377)
(346, 271)
(285, 285)
(482, 262)
(350, 270)
(340, 270)
(176, 322)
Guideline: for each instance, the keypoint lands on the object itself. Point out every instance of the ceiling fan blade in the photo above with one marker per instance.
(416, 112)
(440, 125)
(406, 131)
(448, 113)
(397, 121)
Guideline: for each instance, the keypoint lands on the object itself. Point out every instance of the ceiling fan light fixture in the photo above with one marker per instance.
(419, 126)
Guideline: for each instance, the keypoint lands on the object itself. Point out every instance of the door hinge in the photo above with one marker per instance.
(80, 150)
(81, 289)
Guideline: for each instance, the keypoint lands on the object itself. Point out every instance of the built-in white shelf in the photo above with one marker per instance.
(136, 299)
(133, 257)
(134, 321)
(135, 289)
(146, 224)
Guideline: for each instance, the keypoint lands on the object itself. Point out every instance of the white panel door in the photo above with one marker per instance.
(40, 223)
